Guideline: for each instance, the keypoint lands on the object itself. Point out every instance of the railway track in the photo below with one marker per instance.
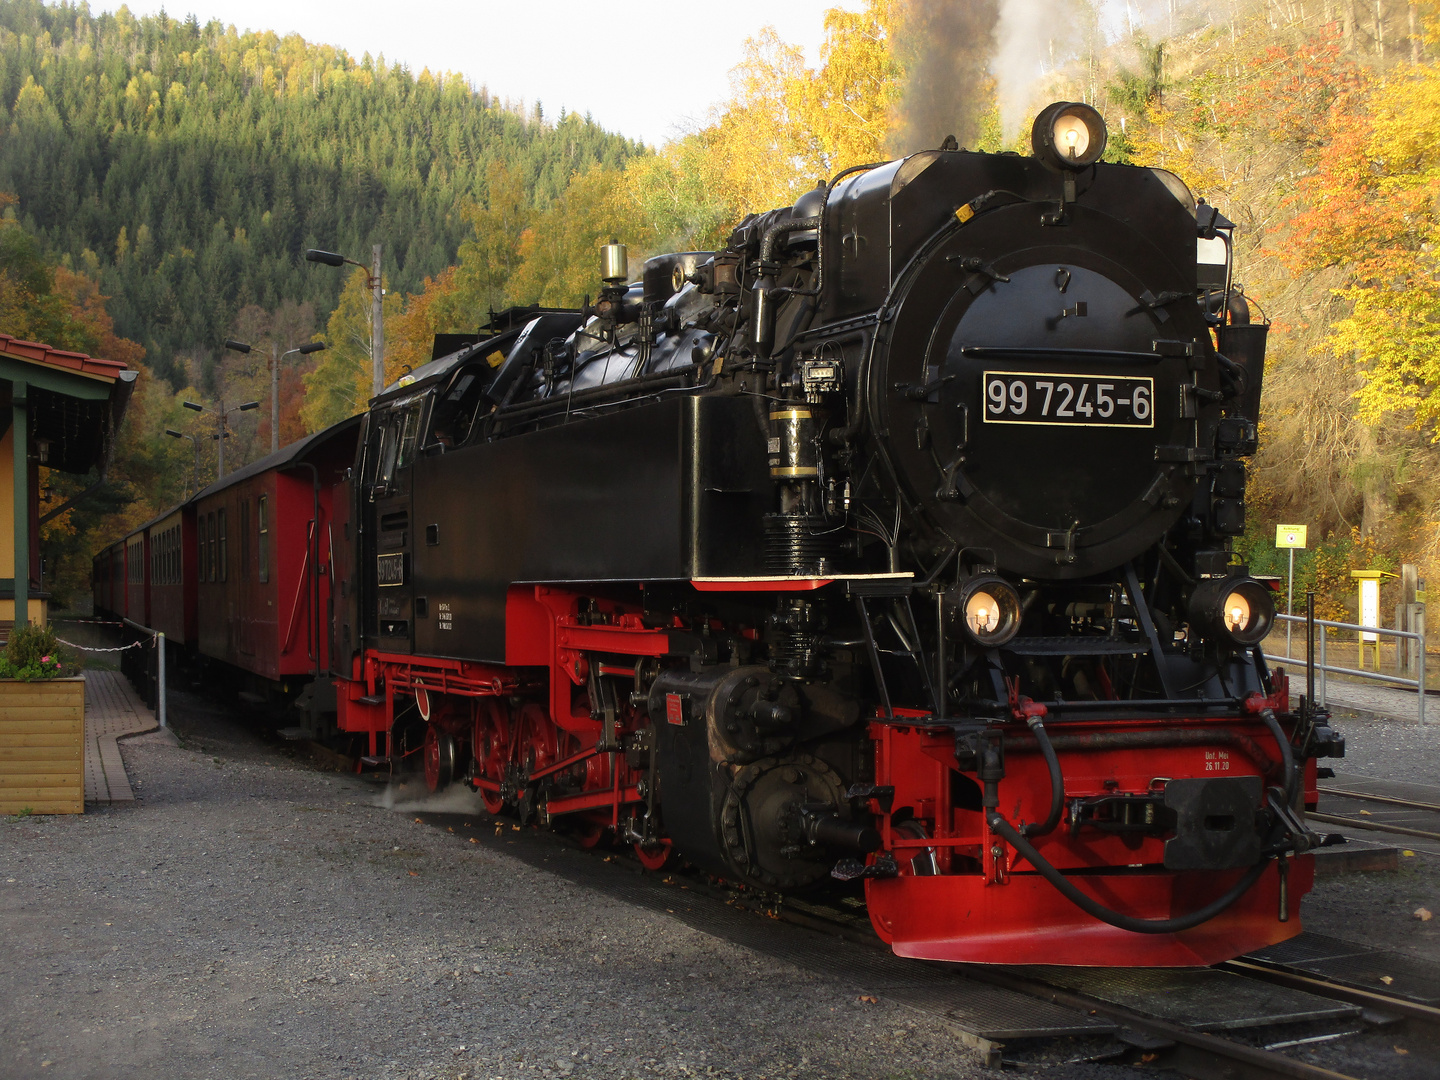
(1344, 804)
(954, 995)
(1200, 1054)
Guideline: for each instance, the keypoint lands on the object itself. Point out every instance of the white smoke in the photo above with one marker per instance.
(412, 797)
(1024, 54)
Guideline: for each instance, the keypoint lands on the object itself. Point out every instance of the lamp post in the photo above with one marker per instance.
(276, 356)
(193, 442)
(222, 416)
(377, 319)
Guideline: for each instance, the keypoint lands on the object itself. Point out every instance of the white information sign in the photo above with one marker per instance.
(1369, 607)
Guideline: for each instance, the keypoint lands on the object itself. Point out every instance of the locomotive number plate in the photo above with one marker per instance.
(390, 569)
(1032, 397)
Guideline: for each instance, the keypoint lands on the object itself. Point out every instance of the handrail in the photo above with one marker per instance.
(1322, 668)
(157, 638)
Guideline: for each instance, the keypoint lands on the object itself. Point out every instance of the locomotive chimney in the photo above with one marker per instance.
(614, 263)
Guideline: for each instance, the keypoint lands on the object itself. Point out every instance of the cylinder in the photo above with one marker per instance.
(614, 263)
(794, 451)
(831, 831)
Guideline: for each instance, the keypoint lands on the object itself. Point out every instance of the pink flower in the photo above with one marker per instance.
(44, 659)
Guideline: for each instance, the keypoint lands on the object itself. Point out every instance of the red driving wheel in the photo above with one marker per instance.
(490, 745)
(439, 757)
(653, 856)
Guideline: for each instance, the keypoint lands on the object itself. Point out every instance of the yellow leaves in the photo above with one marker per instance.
(1406, 123)
(788, 126)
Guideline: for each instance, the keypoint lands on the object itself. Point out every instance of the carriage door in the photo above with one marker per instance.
(388, 526)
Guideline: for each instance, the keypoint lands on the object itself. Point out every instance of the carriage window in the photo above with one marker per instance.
(262, 549)
(245, 540)
(210, 530)
(200, 547)
(224, 558)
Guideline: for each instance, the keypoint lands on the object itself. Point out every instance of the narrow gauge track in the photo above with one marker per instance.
(1195, 1053)
(1415, 808)
(1191, 1052)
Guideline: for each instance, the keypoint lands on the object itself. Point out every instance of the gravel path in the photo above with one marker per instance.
(250, 917)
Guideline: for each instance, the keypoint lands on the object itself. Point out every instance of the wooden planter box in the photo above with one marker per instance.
(42, 746)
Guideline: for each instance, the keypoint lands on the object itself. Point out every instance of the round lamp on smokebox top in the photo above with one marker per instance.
(1069, 135)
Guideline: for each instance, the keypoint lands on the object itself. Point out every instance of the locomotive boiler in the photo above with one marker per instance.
(887, 546)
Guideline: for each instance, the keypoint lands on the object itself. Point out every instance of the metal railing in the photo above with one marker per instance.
(1321, 667)
(150, 678)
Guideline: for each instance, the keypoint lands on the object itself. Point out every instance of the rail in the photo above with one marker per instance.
(1322, 668)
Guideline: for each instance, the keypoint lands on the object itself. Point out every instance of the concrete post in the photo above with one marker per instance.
(377, 329)
(160, 681)
(20, 426)
(274, 396)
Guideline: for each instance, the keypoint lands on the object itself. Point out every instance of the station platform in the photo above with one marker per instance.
(1373, 701)
(112, 711)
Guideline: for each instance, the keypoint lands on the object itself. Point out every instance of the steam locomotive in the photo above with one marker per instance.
(889, 544)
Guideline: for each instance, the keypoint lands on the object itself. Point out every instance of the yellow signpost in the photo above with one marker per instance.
(1292, 537)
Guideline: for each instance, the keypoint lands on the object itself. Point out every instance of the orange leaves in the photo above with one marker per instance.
(1370, 208)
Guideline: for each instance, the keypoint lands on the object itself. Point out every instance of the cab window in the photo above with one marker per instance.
(399, 429)
(455, 409)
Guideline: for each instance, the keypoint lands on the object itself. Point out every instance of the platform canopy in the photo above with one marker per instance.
(62, 409)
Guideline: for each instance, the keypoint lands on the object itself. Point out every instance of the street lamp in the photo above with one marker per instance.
(275, 357)
(222, 416)
(195, 443)
(377, 329)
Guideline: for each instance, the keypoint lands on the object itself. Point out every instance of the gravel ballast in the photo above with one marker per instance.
(250, 917)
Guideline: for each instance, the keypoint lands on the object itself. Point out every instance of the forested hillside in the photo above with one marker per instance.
(180, 169)
(186, 166)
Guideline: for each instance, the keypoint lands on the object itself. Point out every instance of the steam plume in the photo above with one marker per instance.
(945, 47)
(1024, 37)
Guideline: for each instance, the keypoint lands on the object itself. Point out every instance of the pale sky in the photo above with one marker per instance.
(647, 68)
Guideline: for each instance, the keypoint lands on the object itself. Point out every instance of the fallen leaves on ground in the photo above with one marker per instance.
(869, 999)
(1423, 914)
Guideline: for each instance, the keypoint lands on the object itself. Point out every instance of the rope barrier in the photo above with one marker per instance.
(94, 648)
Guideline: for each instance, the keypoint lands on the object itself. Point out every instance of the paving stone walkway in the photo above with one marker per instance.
(112, 710)
(1374, 700)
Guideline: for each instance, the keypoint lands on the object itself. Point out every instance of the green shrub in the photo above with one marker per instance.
(32, 653)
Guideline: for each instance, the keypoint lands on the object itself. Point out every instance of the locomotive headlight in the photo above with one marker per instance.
(986, 609)
(1072, 137)
(1069, 135)
(1240, 609)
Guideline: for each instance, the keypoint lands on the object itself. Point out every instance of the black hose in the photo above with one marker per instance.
(1057, 785)
(1287, 753)
(1093, 907)
(784, 228)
